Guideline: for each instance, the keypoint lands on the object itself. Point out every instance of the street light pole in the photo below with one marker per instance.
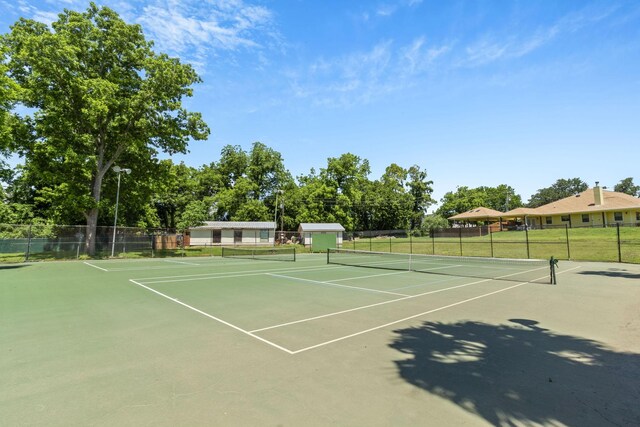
(282, 239)
(117, 169)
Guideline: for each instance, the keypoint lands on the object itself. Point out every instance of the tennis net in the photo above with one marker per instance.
(521, 270)
(270, 254)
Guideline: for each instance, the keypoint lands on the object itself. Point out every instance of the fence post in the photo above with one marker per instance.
(491, 240)
(390, 249)
(433, 241)
(566, 228)
(26, 255)
(619, 247)
(460, 238)
(526, 236)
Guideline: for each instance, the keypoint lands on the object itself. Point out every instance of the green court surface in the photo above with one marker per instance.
(223, 341)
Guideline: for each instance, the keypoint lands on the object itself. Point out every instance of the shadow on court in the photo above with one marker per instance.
(12, 266)
(618, 272)
(522, 374)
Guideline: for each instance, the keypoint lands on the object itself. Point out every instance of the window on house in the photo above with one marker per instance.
(264, 235)
(617, 216)
(549, 220)
(237, 236)
(637, 216)
(216, 236)
(565, 218)
(585, 217)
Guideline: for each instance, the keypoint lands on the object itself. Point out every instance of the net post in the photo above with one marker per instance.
(553, 264)
(294, 254)
(328, 255)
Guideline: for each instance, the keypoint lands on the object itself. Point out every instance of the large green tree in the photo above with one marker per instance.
(99, 94)
(628, 187)
(420, 189)
(559, 190)
(501, 198)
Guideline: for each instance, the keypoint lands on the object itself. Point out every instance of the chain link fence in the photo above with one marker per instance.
(43, 241)
(619, 243)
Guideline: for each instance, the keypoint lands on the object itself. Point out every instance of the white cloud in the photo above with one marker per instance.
(493, 47)
(359, 77)
(207, 27)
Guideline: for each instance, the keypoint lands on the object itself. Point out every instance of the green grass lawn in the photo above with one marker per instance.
(589, 244)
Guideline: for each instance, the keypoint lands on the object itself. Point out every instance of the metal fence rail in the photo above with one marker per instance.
(619, 243)
(36, 242)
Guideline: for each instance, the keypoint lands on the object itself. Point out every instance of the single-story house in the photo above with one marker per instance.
(233, 233)
(321, 236)
(595, 207)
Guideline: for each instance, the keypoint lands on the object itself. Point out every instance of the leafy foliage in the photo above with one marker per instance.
(501, 198)
(99, 95)
(561, 189)
(628, 187)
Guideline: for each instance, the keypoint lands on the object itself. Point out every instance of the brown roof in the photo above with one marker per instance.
(478, 214)
(520, 212)
(580, 203)
(585, 202)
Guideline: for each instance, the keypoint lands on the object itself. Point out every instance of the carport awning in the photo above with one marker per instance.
(478, 214)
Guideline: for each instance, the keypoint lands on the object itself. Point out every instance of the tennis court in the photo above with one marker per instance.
(363, 340)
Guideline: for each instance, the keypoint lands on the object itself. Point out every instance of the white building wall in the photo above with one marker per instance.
(200, 237)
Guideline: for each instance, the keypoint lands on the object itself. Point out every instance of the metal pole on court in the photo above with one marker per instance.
(117, 169)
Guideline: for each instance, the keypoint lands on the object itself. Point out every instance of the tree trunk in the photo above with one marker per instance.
(92, 214)
(92, 225)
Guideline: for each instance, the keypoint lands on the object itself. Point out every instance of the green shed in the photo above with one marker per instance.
(321, 236)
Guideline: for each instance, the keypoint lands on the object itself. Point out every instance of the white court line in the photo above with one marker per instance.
(406, 318)
(95, 266)
(213, 317)
(207, 276)
(385, 302)
(317, 282)
(418, 315)
(370, 305)
(369, 276)
(180, 262)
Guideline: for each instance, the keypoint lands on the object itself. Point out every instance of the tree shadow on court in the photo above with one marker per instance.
(522, 374)
(618, 272)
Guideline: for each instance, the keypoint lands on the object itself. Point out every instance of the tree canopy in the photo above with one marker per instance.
(99, 95)
(501, 198)
(559, 190)
(628, 187)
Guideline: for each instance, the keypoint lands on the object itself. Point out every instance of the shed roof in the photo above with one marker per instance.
(237, 225)
(478, 214)
(320, 226)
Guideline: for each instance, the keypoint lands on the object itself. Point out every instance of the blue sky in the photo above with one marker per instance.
(477, 92)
